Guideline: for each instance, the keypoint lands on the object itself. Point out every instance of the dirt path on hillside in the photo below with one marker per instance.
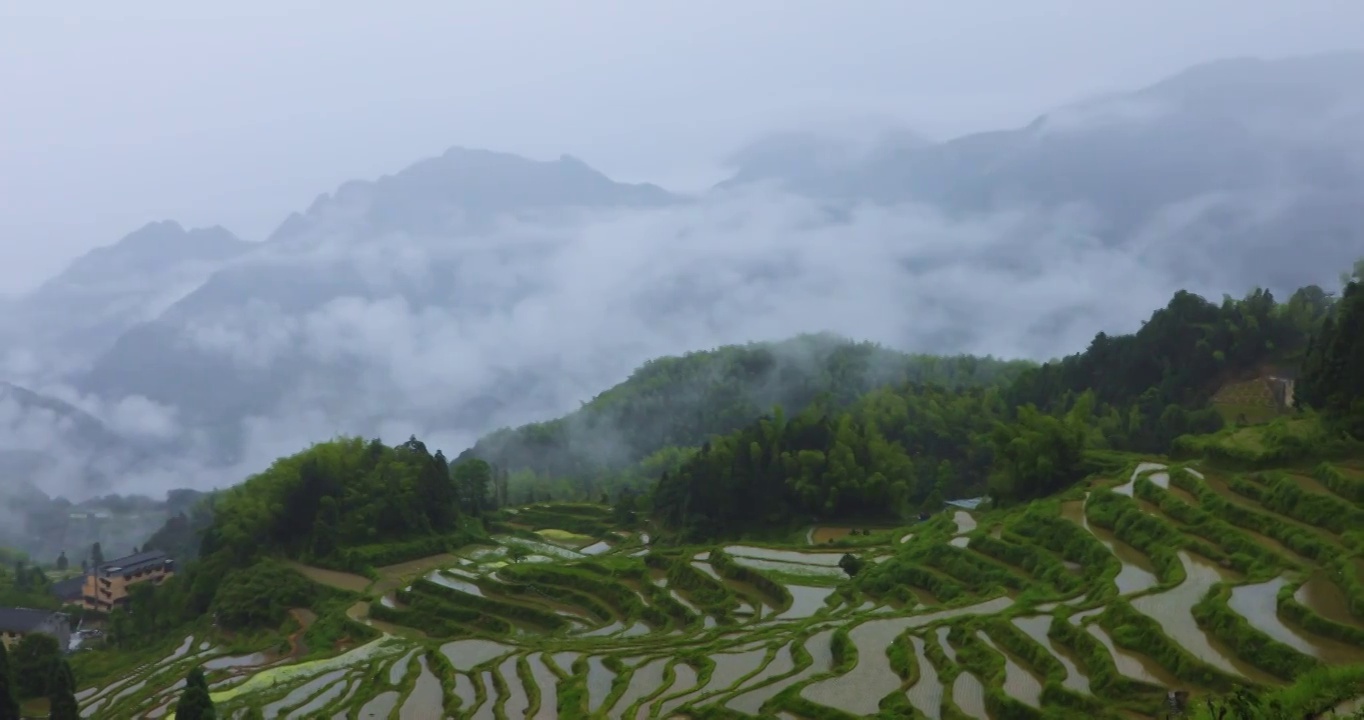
(349, 582)
(305, 619)
(393, 576)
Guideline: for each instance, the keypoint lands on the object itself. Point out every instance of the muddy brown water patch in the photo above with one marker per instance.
(1037, 627)
(1258, 604)
(1310, 484)
(926, 693)
(825, 534)
(331, 578)
(924, 597)
(1326, 599)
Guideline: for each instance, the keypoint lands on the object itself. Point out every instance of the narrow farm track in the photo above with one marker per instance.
(1109, 598)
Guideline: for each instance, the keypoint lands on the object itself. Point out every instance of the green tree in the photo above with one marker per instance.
(851, 564)
(1333, 371)
(1039, 454)
(473, 478)
(96, 555)
(61, 692)
(9, 702)
(195, 703)
(62, 562)
(624, 512)
(254, 713)
(327, 529)
(516, 553)
(33, 659)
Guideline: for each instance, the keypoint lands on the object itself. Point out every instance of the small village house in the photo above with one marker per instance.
(106, 587)
(15, 623)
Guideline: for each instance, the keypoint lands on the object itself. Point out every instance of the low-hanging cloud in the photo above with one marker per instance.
(525, 322)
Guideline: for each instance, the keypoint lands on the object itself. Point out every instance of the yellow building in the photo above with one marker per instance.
(106, 586)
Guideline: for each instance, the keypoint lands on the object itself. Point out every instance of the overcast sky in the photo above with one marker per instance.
(116, 114)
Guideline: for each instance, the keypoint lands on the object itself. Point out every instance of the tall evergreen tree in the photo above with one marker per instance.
(195, 703)
(61, 693)
(9, 702)
(62, 562)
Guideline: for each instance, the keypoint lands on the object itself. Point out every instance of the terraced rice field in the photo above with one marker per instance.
(980, 615)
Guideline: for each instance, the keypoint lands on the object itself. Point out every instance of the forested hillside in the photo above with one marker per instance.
(909, 446)
(348, 504)
(675, 403)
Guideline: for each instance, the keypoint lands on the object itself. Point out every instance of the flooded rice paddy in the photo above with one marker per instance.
(1173, 611)
(754, 651)
(1137, 573)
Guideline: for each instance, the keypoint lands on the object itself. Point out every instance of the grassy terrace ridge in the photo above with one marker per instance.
(1257, 582)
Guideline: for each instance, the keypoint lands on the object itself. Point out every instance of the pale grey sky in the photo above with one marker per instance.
(116, 114)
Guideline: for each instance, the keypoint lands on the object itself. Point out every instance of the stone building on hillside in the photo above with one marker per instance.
(1281, 387)
(15, 623)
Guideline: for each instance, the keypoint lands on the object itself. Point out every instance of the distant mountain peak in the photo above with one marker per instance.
(473, 186)
(153, 246)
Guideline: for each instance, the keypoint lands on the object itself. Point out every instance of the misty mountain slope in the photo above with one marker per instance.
(78, 314)
(46, 443)
(681, 401)
(346, 250)
(468, 189)
(1235, 149)
(480, 290)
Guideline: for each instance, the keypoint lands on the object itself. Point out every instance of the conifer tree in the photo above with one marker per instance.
(61, 693)
(195, 703)
(9, 702)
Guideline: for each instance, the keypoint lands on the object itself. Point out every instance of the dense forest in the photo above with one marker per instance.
(908, 446)
(623, 436)
(347, 504)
